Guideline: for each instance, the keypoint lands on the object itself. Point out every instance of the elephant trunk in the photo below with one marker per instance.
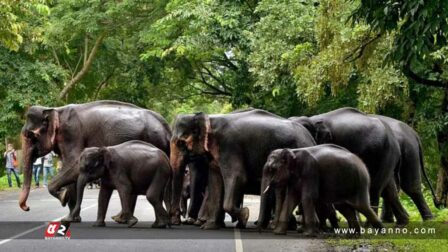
(263, 217)
(28, 150)
(177, 162)
(80, 185)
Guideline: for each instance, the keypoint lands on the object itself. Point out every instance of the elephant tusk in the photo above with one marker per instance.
(266, 190)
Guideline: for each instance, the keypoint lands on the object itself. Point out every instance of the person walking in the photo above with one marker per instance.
(11, 164)
(37, 166)
(48, 167)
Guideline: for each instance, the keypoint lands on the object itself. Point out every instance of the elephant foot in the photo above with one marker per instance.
(300, 229)
(175, 220)
(199, 222)
(74, 219)
(272, 225)
(158, 224)
(244, 216)
(310, 234)
(99, 224)
(119, 219)
(427, 217)
(63, 197)
(189, 221)
(280, 231)
(402, 223)
(208, 225)
(132, 221)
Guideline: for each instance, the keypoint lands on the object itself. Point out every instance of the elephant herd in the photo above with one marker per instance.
(344, 160)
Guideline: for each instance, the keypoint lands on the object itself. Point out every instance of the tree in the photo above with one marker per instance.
(420, 47)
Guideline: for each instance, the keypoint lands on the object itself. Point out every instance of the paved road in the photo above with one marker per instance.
(24, 231)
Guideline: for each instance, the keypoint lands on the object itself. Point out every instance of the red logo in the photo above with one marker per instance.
(58, 230)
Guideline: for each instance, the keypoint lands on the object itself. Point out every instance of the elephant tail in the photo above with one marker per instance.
(422, 166)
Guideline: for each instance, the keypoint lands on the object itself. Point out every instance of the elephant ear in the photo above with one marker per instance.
(323, 134)
(51, 116)
(288, 158)
(104, 157)
(201, 129)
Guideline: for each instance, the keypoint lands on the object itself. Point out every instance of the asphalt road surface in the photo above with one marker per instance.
(24, 231)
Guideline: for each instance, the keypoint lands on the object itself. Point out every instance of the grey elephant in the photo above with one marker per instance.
(322, 174)
(132, 168)
(372, 141)
(67, 130)
(411, 168)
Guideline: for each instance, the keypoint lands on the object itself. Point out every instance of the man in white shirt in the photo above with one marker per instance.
(48, 167)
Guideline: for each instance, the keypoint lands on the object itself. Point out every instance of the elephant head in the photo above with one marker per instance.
(319, 129)
(190, 139)
(94, 163)
(276, 171)
(38, 139)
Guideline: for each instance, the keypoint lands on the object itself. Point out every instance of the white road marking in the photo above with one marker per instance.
(238, 241)
(38, 227)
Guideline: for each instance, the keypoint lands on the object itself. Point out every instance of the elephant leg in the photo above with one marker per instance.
(119, 218)
(349, 214)
(421, 204)
(103, 203)
(387, 215)
(280, 195)
(414, 190)
(203, 211)
(71, 193)
(309, 215)
(125, 197)
(391, 196)
(234, 177)
(411, 183)
(290, 202)
(214, 199)
(155, 195)
(197, 189)
(370, 215)
(333, 218)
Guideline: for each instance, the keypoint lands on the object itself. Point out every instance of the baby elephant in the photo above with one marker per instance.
(322, 174)
(133, 168)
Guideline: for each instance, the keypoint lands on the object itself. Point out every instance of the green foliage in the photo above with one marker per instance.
(16, 17)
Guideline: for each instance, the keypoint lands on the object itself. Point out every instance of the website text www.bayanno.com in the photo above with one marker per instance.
(387, 231)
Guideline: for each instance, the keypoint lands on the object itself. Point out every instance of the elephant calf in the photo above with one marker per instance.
(133, 168)
(327, 174)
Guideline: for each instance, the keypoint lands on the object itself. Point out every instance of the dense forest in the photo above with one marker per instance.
(289, 57)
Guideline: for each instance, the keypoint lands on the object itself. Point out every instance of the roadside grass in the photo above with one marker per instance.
(402, 242)
(4, 182)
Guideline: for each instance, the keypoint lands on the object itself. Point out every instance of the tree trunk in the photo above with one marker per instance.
(85, 68)
(442, 176)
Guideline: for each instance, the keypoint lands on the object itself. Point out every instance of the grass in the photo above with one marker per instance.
(4, 182)
(400, 242)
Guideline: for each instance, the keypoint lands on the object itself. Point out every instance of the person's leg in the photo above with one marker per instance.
(8, 173)
(17, 177)
(37, 175)
(45, 175)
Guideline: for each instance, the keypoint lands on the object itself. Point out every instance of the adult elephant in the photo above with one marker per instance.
(409, 172)
(69, 129)
(370, 139)
(237, 146)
